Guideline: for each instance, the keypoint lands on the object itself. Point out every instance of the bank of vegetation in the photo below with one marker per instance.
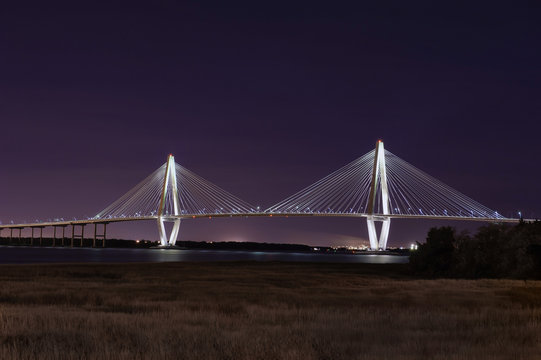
(494, 251)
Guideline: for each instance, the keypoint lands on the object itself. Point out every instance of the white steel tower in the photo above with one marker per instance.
(169, 185)
(379, 182)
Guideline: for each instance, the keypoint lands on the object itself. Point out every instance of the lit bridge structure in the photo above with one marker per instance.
(378, 186)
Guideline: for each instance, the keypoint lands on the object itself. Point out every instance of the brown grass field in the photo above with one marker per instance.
(261, 311)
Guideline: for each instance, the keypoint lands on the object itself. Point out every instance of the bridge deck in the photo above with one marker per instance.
(257, 214)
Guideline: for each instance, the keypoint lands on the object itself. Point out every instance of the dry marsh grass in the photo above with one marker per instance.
(261, 311)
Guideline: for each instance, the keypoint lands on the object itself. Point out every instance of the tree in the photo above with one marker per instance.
(436, 256)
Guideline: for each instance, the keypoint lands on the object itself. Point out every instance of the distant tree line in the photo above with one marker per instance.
(495, 251)
(250, 246)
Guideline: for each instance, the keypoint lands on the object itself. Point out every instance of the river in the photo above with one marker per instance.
(28, 255)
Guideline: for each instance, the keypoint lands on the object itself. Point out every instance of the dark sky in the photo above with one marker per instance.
(264, 99)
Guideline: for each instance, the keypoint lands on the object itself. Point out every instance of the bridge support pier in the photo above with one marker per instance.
(73, 235)
(376, 243)
(63, 234)
(164, 240)
(98, 236)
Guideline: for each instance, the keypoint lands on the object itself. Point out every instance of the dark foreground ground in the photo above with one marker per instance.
(262, 311)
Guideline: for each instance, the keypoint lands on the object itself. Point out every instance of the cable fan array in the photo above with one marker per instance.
(411, 192)
(346, 190)
(414, 192)
(196, 196)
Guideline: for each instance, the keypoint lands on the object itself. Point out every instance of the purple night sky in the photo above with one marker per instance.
(263, 100)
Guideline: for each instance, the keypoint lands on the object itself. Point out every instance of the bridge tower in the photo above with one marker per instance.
(169, 190)
(379, 183)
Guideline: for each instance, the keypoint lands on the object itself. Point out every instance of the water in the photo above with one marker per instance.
(26, 255)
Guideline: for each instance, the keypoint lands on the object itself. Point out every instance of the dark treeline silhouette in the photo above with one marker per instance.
(250, 246)
(123, 243)
(495, 251)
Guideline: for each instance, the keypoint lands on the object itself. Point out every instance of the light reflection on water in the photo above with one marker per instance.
(22, 255)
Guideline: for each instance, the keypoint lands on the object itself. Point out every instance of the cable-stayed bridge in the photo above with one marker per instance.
(378, 186)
